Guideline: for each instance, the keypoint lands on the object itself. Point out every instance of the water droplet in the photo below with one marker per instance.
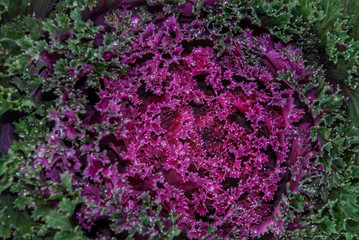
(135, 20)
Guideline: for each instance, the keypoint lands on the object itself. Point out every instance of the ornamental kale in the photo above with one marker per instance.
(213, 137)
(196, 119)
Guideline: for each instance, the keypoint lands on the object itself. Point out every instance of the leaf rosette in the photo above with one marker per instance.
(217, 138)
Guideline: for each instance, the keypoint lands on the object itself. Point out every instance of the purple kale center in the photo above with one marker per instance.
(213, 137)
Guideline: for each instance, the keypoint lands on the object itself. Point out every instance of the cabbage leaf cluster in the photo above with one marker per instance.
(151, 119)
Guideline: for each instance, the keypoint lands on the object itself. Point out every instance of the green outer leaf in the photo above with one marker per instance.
(353, 106)
(56, 220)
(13, 219)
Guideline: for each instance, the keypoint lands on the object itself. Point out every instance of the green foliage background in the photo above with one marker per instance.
(328, 33)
